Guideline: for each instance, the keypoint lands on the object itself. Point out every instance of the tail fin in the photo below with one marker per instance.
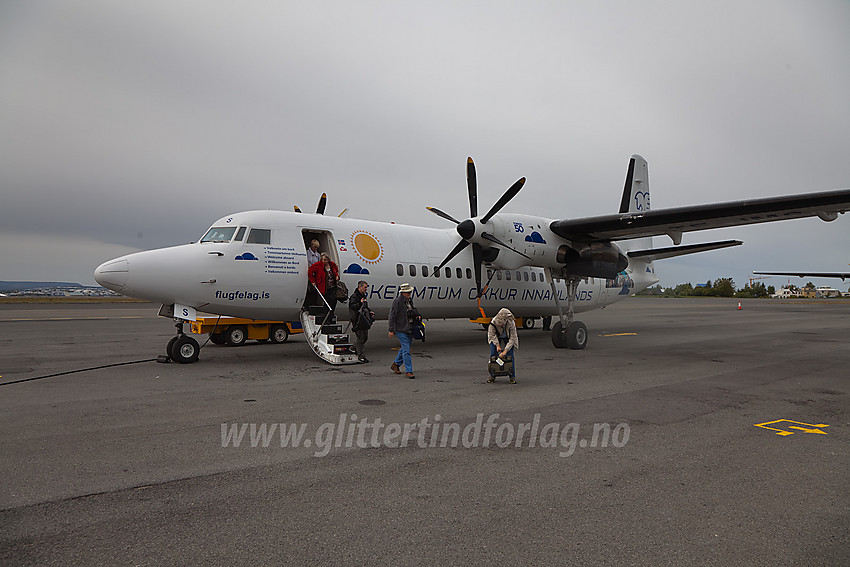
(636, 193)
(635, 199)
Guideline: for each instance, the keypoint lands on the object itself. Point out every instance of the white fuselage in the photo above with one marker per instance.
(263, 274)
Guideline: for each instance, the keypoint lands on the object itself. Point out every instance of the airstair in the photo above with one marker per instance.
(325, 336)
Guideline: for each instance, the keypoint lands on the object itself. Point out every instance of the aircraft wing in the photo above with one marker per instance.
(841, 275)
(653, 254)
(673, 222)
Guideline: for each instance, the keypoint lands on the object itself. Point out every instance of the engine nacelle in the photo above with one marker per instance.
(596, 259)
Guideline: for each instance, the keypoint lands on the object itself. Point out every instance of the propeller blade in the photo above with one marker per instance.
(476, 258)
(491, 238)
(472, 186)
(509, 194)
(297, 210)
(323, 201)
(440, 213)
(457, 249)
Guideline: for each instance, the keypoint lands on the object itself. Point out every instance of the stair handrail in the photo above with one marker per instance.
(330, 311)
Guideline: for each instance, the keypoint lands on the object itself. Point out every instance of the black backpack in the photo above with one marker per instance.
(364, 318)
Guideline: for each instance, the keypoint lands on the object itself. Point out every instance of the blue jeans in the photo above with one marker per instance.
(403, 356)
(510, 352)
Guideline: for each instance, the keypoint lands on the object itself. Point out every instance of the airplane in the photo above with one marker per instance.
(253, 264)
(804, 274)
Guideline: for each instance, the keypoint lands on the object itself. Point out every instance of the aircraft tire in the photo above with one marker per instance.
(278, 334)
(559, 337)
(527, 323)
(236, 335)
(218, 338)
(185, 350)
(577, 335)
(170, 344)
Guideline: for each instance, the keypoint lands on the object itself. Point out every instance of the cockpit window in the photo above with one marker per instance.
(240, 234)
(219, 234)
(260, 236)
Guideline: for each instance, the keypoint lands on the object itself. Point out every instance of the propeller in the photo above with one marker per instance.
(320, 208)
(467, 228)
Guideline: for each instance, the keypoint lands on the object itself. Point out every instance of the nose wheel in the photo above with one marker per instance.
(182, 348)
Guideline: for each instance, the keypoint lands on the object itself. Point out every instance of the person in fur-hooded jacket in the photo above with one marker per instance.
(502, 336)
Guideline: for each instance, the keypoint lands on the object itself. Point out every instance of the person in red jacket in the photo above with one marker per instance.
(325, 275)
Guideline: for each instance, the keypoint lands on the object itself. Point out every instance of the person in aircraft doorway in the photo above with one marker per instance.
(503, 339)
(313, 256)
(324, 275)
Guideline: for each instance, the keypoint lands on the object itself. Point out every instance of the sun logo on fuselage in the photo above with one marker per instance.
(367, 246)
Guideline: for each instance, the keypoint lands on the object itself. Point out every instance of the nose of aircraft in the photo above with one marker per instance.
(113, 274)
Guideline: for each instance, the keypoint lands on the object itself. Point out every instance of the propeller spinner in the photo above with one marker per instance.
(469, 228)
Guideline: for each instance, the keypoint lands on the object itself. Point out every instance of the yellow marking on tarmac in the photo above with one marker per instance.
(619, 335)
(813, 426)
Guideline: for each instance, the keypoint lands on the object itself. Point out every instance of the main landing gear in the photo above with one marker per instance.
(182, 348)
(567, 333)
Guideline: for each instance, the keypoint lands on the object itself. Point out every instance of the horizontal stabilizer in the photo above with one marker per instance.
(841, 275)
(673, 251)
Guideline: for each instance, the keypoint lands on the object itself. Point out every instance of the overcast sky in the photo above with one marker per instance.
(134, 125)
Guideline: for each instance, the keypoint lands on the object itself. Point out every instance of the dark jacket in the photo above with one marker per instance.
(354, 305)
(398, 322)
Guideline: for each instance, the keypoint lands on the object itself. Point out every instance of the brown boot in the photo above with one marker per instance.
(410, 375)
(395, 368)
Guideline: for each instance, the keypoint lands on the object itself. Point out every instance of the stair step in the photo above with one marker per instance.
(338, 339)
(317, 309)
(331, 329)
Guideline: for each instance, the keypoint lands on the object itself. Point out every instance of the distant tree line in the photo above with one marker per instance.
(721, 287)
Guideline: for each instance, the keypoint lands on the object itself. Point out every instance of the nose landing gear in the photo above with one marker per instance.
(182, 349)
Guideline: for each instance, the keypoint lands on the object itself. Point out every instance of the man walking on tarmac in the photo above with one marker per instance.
(361, 319)
(402, 317)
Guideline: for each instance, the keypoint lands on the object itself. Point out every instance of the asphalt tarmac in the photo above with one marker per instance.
(642, 449)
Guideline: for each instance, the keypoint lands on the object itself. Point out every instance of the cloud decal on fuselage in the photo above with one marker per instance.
(246, 256)
(356, 269)
(535, 237)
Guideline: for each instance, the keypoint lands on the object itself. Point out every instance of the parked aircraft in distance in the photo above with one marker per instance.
(253, 264)
(805, 274)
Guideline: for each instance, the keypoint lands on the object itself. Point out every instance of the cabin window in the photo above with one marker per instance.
(499, 274)
(448, 272)
(219, 234)
(399, 269)
(508, 275)
(412, 270)
(469, 273)
(525, 276)
(425, 271)
(240, 234)
(519, 277)
(489, 274)
(260, 236)
(436, 272)
(458, 273)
